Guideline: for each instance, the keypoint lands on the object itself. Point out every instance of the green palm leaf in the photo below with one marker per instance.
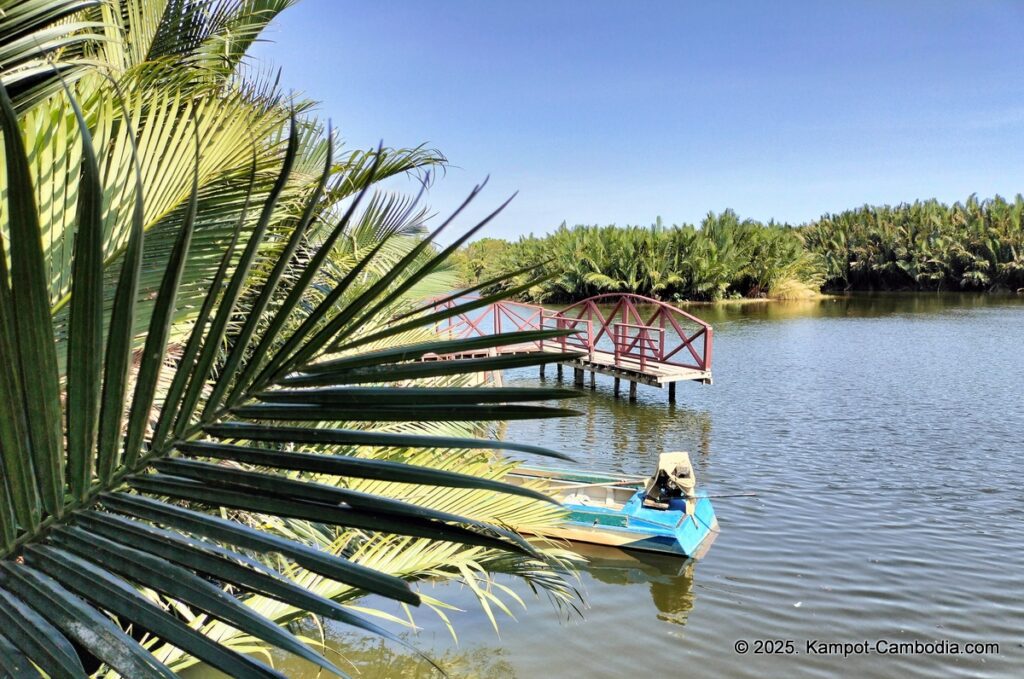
(231, 430)
(43, 41)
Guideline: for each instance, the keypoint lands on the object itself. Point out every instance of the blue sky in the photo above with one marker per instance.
(617, 112)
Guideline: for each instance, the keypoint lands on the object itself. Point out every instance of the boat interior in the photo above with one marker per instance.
(611, 492)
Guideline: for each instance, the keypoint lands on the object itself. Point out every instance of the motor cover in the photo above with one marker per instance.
(674, 478)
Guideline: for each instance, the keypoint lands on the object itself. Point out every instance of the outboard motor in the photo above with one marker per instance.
(673, 479)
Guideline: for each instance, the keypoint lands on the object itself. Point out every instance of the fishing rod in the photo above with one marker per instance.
(715, 497)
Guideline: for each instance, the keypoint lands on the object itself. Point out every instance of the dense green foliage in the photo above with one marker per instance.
(926, 245)
(725, 256)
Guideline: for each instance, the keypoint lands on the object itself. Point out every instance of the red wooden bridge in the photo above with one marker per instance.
(629, 337)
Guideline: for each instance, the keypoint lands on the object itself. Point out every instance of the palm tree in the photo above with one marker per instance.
(971, 245)
(176, 64)
(925, 245)
(205, 307)
(109, 463)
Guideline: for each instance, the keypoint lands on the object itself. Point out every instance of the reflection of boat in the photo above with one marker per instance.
(669, 578)
(662, 514)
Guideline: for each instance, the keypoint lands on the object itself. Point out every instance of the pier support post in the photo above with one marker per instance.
(558, 371)
(632, 390)
(577, 377)
(618, 382)
(593, 379)
(671, 392)
(542, 375)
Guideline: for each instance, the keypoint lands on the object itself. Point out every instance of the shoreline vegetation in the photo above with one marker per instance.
(971, 246)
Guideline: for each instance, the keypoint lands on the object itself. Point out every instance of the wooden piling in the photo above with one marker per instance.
(671, 392)
(632, 390)
(593, 380)
(577, 377)
(618, 381)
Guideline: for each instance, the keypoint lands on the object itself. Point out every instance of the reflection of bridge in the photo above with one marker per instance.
(628, 337)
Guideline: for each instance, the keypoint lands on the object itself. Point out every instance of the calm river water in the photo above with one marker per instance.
(883, 437)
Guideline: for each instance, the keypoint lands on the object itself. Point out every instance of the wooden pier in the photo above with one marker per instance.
(626, 337)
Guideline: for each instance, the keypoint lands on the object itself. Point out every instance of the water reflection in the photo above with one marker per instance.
(610, 575)
(373, 658)
(859, 305)
(668, 578)
(614, 434)
(376, 660)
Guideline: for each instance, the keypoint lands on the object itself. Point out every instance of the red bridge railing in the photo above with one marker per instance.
(493, 319)
(645, 329)
(630, 328)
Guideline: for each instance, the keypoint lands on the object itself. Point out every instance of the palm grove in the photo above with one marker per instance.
(212, 416)
(976, 245)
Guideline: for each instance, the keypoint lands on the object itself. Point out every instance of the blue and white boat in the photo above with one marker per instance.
(664, 513)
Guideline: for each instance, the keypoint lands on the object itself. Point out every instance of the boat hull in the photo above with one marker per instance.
(608, 510)
(689, 535)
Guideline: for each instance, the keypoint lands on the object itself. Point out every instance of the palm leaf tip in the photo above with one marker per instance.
(33, 350)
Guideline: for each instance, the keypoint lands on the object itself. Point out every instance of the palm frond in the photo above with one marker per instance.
(43, 41)
(232, 396)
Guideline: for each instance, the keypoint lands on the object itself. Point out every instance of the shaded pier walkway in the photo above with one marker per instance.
(627, 337)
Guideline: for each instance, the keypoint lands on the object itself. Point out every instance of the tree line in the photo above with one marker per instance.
(974, 245)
